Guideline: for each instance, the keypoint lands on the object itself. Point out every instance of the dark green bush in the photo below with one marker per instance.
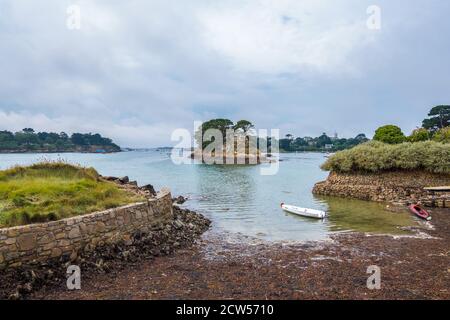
(389, 134)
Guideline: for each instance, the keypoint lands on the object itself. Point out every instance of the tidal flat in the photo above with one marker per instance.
(224, 266)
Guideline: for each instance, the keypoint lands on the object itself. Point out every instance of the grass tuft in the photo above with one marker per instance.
(49, 191)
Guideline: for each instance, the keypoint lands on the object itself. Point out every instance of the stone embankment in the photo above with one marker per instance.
(181, 231)
(400, 187)
(39, 242)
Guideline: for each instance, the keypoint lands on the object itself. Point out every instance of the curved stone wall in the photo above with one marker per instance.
(401, 186)
(39, 242)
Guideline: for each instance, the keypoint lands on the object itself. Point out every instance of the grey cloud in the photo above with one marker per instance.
(137, 70)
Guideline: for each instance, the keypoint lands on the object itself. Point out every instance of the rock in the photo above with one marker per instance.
(178, 224)
(111, 178)
(13, 232)
(26, 241)
(99, 227)
(124, 180)
(133, 183)
(73, 256)
(46, 238)
(149, 188)
(60, 235)
(56, 252)
(15, 296)
(74, 233)
(179, 200)
(10, 241)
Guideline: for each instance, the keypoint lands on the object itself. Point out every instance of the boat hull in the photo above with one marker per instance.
(304, 212)
(419, 212)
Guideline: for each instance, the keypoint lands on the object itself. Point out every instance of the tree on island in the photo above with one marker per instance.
(238, 141)
(222, 125)
(389, 134)
(243, 125)
(219, 124)
(439, 117)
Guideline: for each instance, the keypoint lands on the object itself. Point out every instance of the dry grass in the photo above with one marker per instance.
(50, 191)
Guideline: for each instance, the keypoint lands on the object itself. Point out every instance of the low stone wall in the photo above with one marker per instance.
(39, 242)
(402, 187)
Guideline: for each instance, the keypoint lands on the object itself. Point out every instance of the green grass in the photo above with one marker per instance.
(377, 156)
(49, 191)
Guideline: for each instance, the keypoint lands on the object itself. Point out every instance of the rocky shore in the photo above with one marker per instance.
(178, 260)
(412, 267)
(400, 187)
(183, 231)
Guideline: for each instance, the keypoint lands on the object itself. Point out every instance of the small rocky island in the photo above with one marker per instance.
(238, 144)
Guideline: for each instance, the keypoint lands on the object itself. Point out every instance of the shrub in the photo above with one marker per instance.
(442, 135)
(420, 134)
(376, 156)
(389, 134)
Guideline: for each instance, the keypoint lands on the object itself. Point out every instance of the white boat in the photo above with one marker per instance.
(305, 212)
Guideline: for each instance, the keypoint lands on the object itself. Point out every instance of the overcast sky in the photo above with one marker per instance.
(137, 70)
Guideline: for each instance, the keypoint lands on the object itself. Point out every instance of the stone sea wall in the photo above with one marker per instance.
(400, 187)
(38, 242)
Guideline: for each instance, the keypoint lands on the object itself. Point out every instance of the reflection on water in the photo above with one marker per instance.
(238, 199)
(225, 186)
(364, 216)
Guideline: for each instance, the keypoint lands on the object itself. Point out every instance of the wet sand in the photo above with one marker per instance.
(228, 267)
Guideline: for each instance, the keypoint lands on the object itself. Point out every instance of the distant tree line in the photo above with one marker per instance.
(321, 143)
(436, 127)
(288, 144)
(28, 140)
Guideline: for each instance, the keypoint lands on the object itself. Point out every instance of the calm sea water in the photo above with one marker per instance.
(239, 199)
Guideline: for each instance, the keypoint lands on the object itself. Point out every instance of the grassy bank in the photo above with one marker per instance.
(377, 156)
(54, 190)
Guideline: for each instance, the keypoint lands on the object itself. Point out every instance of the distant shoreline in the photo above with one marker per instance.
(48, 151)
(130, 150)
(30, 141)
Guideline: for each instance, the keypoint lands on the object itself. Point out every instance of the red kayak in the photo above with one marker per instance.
(418, 211)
